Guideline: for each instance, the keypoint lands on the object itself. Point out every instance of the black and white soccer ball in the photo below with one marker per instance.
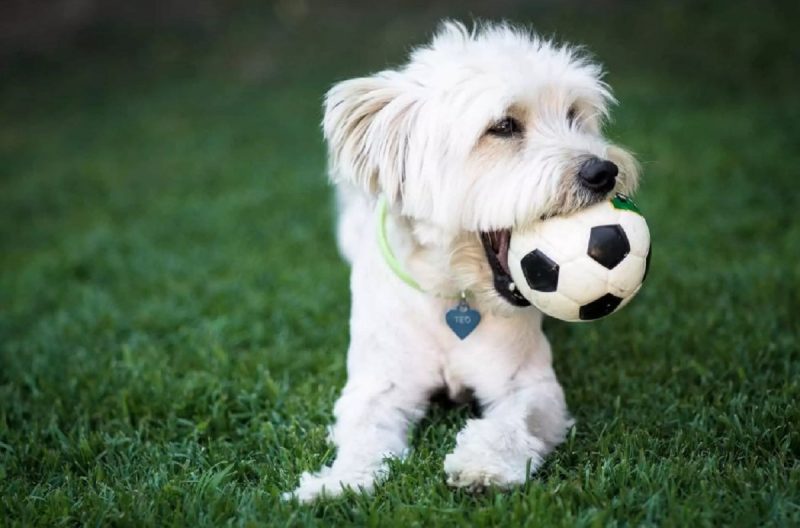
(583, 266)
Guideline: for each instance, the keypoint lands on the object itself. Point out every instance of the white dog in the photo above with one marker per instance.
(482, 131)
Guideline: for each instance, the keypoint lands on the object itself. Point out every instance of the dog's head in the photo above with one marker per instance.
(481, 132)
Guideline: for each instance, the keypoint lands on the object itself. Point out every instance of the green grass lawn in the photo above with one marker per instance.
(173, 312)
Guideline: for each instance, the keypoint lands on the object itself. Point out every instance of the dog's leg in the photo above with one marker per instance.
(372, 420)
(518, 429)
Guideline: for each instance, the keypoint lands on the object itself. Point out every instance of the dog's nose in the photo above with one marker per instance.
(598, 174)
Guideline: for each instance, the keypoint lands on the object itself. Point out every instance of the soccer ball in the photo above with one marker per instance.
(583, 266)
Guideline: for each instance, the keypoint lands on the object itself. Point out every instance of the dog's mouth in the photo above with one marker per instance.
(495, 245)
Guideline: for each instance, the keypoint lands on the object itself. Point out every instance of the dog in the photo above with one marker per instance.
(484, 130)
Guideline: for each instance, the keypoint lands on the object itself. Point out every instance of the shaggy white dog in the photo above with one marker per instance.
(482, 131)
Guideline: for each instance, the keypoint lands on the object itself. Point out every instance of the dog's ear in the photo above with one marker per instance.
(368, 124)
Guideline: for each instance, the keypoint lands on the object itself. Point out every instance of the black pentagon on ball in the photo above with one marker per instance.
(608, 245)
(540, 271)
(599, 308)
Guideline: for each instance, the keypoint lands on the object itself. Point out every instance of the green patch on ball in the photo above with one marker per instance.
(620, 201)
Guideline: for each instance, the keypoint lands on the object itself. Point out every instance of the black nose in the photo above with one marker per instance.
(598, 175)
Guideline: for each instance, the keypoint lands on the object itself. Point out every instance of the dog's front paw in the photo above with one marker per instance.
(484, 457)
(466, 471)
(328, 483)
(313, 486)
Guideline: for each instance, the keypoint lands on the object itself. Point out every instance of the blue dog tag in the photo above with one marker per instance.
(462, 319)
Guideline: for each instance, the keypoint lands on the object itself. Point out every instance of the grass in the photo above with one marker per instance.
(173, 313)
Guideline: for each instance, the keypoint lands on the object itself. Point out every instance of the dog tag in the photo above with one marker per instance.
(462, 319)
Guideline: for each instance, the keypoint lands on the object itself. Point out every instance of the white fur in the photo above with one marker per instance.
(417, 135)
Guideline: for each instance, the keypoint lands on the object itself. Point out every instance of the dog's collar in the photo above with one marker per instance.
(461, 319)
(386, 249)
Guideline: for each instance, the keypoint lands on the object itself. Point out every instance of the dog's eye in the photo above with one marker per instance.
(572, 114)
(506, 127)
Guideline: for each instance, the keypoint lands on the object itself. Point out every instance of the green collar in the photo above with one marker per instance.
(386, 249)
(461, 319)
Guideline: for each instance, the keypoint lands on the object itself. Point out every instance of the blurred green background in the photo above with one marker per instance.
(173, 312)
